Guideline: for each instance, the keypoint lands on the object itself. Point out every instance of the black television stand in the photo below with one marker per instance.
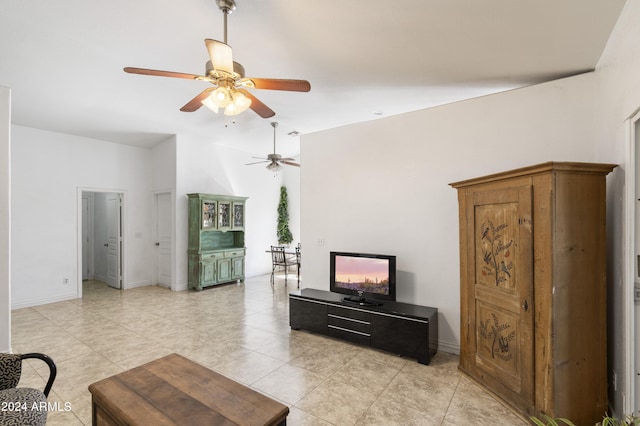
(400, 328)
(361, 301)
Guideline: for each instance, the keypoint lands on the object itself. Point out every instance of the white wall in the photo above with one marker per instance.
(5, 219)
(179, 165)
(291, 179)
(163, 169)
(47, 170)
(203, 166)
(618, 96)
(387, 188)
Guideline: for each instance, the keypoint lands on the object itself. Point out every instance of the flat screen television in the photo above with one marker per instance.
(365, 278)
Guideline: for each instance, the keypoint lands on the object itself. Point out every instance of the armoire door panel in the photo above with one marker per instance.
(498, 226)
(498, 344)
(501, 256)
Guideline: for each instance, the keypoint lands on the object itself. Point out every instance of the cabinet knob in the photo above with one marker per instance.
(157, 244)
(525, 306)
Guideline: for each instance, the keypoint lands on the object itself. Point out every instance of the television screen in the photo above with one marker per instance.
(367, 276)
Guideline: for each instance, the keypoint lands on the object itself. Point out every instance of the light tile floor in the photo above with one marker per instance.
(242, 331)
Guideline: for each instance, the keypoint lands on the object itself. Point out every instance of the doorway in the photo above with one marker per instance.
(101, 237)
(163, 231)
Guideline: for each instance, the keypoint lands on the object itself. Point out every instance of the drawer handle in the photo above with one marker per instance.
(349, 319)
(349, 331)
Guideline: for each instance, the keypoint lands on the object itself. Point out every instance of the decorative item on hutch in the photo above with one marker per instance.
(216, 251)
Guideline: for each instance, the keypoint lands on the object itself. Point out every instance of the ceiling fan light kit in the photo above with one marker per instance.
(227, 76)
(274, 167)
(232, 101)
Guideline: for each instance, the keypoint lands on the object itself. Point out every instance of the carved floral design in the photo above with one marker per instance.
(495, 253)
(498, 340)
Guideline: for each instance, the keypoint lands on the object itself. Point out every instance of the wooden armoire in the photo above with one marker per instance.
(533, 288)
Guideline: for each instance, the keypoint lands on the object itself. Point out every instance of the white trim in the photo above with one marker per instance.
(449, 347)
(43, 301)
(91, 206)
(180, 287)
(629, 265)
(123, 194)
(136, 284)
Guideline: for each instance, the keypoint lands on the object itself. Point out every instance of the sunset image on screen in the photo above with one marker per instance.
(371, 275)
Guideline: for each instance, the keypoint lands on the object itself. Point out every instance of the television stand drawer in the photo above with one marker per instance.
(349, 335)
(349, 324)
(348, 312)
(356, 325)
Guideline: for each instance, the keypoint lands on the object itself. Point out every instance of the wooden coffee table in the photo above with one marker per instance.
(174, 390)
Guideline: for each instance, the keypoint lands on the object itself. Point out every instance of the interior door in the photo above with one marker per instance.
(86, 243)
(163, 239)
(500, 308)
(114, 240)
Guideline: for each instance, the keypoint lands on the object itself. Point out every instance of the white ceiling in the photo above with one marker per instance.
(63, 60)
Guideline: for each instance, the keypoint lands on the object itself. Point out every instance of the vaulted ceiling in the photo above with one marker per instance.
(365, 59)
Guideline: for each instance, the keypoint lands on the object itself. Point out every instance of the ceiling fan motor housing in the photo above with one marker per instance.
(226, 6)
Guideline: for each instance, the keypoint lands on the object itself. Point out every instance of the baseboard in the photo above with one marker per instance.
(449, 347)
(180, 287)
(136, 284)
(43, 301)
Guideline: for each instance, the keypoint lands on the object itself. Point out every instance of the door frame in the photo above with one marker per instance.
(123, 228)
(90, 237)
(154, 234)
(630, 388)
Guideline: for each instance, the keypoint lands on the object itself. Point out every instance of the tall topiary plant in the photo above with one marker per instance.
(283, 232)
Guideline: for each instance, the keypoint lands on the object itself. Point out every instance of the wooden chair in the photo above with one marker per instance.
(34, 400)
(279, 258)
(298, 262)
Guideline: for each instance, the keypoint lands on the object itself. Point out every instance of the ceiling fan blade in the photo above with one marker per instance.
(290, 163)
(258, 162)
(220, 54)
(258, 106)
(144, 71)
(281, 84)
(195, 103)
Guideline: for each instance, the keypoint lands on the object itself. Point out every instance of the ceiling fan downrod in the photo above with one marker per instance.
(274, 124)
(226, 6)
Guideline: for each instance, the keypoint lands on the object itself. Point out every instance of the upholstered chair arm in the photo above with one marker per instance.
(52, 369)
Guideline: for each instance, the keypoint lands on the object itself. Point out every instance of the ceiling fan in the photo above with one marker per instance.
(227, 76)
(275, 160)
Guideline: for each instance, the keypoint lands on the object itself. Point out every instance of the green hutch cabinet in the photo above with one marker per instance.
(216, 250)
